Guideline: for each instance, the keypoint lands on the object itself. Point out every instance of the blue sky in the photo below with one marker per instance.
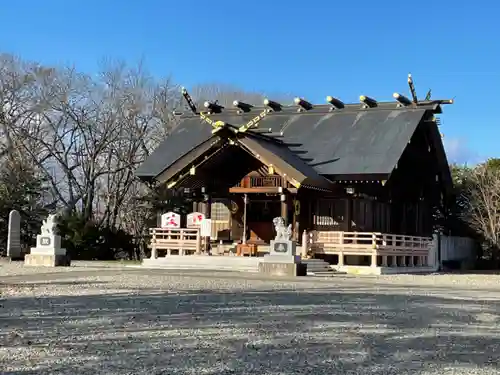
(306, 48)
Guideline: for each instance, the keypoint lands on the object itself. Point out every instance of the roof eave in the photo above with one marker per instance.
(297, 178)
(184, 161)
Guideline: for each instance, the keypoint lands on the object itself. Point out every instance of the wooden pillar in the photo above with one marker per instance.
(348, 214)
(341, 259)
(206, 204)
(207, 207)
(417, 219)
(198, 243)
(295, 220)
(245, 207)
(404, 222)
(374, 260)
(284, 207)
(384, 260)
(237, 218)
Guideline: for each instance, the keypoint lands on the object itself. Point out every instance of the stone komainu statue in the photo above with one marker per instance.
(282, 232)
(49, 225)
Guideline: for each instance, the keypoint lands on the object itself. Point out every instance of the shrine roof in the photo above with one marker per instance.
(353, 140)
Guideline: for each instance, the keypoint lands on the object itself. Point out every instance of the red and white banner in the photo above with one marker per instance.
(194, 219)
(170, 220)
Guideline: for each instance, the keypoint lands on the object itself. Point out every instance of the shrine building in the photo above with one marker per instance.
(355, 177)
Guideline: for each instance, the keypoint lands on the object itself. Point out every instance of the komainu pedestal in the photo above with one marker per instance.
(48, 251)
(282, 259)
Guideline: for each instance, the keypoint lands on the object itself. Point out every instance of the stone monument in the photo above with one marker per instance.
(282, 258)
(14, 251)
(48, 251)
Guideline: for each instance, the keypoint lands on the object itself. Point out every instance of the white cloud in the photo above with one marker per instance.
(457, 151)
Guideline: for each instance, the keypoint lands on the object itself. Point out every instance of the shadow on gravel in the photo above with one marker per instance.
(316, 331)
(53, 282)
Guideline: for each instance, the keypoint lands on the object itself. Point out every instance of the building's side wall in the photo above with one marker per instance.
(404, 204)
(351, 214)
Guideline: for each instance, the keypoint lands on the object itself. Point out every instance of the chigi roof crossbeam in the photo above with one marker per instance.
(304, 107)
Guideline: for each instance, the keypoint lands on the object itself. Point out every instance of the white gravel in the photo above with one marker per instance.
(104, 319)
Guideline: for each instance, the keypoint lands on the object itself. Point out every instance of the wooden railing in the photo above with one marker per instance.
(365, 243)
(178, 241)
(249, 182)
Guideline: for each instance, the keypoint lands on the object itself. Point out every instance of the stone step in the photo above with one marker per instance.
(316, 263)
(318, 267)
(325, 274)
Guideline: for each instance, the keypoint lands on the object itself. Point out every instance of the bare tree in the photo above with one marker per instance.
(86, 135)
(145, 115)
(484, 204)
(18, 97)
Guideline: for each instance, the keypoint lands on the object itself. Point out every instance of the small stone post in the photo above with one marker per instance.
(305, 244)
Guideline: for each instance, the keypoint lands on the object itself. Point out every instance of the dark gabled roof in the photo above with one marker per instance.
(185, 137)
(296, 169)
(350, 141)
(204, 149)
(362, 142)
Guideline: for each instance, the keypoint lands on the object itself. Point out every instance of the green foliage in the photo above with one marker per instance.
(473, 211)
(449, 219)
(21, 189)
(85, 240)
(492, 165)
(462, 183)
(160, 200)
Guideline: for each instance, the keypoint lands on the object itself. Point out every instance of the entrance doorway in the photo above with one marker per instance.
(260, 215)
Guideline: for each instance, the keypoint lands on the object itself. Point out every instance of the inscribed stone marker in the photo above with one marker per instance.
(14, 235)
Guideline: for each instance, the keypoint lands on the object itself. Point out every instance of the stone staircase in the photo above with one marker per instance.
(315, 267)
(204, 262)
(318, 267)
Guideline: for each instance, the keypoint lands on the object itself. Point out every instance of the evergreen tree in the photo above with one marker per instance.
(21, 189)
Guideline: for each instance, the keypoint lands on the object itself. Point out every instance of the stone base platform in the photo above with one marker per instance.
(368, 270)
(279, 265)
(204, 262)
(47, 260)
(17, 259)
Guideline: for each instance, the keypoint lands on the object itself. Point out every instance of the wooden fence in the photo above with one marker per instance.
(175, 241)
(367, 242)
(384, 249)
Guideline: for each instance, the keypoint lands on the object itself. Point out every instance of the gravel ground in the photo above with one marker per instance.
(109, 319)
